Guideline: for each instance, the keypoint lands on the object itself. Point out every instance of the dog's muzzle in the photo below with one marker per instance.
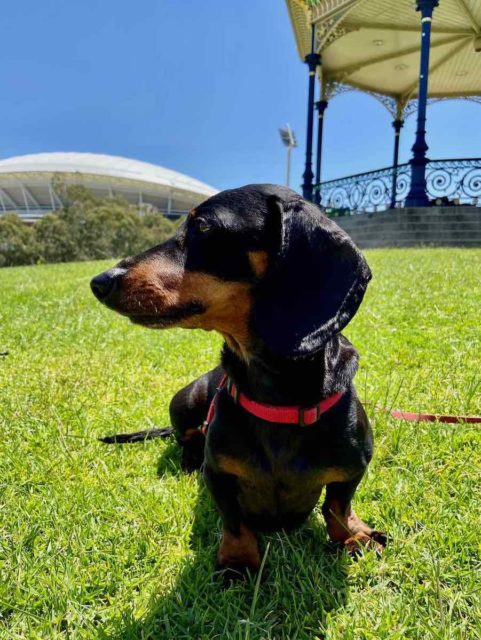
(106, 285)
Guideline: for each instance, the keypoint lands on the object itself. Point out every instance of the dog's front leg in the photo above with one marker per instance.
(343, 525)
(238, 552)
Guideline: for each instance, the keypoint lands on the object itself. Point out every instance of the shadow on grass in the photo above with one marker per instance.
(305, 580)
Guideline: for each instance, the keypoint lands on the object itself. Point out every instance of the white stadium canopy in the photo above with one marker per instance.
(27, 183)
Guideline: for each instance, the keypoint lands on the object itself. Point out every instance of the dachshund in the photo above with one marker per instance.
(279, 418)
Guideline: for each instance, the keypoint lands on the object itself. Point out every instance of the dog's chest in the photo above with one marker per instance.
(287, 491)
(280, 481)
(280, 469)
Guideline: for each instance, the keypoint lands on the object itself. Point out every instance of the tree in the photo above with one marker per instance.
(18, 244)
(54, 239)
(86, 228)
(102, 228)
(158, 228)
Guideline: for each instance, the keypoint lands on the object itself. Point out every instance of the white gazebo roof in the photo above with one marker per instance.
(374, 46)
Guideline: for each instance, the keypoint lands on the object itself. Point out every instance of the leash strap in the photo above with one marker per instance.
(431, 417)
(212, 406)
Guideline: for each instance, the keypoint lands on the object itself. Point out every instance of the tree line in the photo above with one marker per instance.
(86, 228)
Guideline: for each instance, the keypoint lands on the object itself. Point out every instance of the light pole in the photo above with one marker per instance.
(289, 139)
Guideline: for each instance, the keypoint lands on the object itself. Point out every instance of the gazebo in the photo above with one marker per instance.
(406, 54)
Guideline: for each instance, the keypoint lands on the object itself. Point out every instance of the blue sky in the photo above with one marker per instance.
(197, 86)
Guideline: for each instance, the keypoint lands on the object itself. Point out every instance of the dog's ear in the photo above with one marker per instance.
(315, 281)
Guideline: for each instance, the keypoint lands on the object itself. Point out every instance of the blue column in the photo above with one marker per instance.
(312, 60)
(417, 196)
(321, 107)
(397, 124)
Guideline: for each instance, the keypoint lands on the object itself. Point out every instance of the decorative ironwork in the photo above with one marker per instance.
(331, 88)
(455, 179)
(331, 30)
(452, 181)
(398, 107)
(410, 107)
(389, 102)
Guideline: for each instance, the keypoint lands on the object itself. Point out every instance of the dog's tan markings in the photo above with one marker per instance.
(241, 550)
(228, 303)
(332, 474)
(234, 345)
(235, 467)
(192, 213)
(151, 287)
(228, 306)
(189, 434)
(158, 286)
(259, 261)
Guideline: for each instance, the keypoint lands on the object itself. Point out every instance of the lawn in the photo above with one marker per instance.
(114, 542)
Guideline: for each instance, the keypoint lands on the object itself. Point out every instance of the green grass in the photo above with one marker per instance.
(99, 542)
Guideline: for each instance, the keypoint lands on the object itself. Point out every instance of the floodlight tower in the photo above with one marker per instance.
(288, 137)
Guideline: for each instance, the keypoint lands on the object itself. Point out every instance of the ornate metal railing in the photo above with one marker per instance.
(455, 181)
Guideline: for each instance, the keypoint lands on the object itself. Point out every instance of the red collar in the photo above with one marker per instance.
(301, 416)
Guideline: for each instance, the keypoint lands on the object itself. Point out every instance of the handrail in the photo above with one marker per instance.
(448, 180)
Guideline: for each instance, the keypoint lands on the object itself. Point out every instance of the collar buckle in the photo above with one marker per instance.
(305, 415)
(302, 418)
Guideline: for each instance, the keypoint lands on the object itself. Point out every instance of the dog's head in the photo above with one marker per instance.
(258, 264)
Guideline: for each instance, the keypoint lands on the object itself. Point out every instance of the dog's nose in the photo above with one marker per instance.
(104, 285)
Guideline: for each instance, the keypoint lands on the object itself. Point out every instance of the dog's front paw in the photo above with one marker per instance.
(374, 540)
(191, 460)
(238, 556)
(236, 572)
(192, 451)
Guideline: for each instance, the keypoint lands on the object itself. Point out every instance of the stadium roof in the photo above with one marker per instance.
(27, 184)
(103, 165)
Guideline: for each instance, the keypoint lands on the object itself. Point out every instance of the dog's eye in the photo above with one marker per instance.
(202, 225)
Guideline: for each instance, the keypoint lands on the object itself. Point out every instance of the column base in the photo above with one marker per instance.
(416, 199)
(418, 196)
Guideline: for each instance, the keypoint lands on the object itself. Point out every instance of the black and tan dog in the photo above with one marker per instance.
(279, 281)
